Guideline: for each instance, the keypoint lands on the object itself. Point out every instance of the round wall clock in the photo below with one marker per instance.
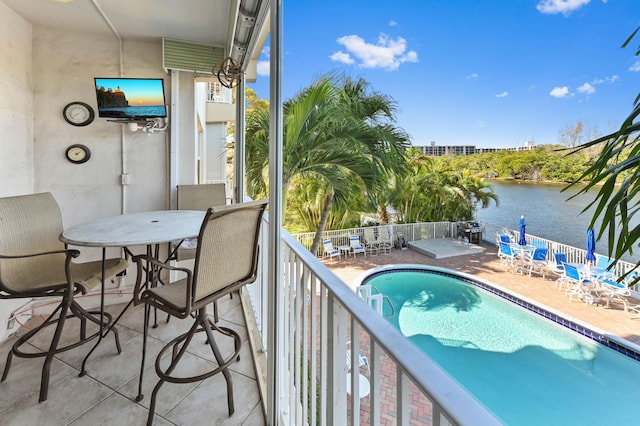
(78, 113)
(78, 154)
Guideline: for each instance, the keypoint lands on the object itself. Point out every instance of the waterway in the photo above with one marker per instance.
(549, 213)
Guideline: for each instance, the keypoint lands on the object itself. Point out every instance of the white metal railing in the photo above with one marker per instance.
(216, 92)
(410, 232)
(320, 315)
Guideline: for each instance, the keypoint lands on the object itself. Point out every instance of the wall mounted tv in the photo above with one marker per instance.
(130, 98)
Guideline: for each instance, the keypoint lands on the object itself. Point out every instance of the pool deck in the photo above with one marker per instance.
(486, 265)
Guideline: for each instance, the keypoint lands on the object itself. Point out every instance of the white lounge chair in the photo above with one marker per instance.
(356, 246)
(384, 240)
(329, 250)
(371, 243)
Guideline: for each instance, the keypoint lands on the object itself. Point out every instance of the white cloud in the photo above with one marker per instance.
(392, 23)
(387, 53)
(635, 67)
(502, 95)
(340, 56)
(586, 88)
(263, 67)
(560, 92)
(565, 7)
(472, 76)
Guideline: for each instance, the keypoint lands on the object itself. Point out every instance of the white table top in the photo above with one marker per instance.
(136, 229)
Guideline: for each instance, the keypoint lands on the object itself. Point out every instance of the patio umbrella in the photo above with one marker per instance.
(522, 240)
(591, 246)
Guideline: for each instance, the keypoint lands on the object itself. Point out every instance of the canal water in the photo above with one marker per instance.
(549, 213)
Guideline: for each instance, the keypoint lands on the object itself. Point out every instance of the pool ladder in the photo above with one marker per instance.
(372, 296)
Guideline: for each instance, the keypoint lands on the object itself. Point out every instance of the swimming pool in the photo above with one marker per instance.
(525, 363)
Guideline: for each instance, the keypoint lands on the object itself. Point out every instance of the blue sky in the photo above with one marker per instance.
(490, 73)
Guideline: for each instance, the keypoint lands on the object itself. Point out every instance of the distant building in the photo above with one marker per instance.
(440, 150)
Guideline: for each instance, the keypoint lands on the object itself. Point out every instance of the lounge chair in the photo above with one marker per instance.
(329, 250)
(538, 261)
(356, 246)
(503, 238)
(579, 285)
(603, 268)
(557, 267)
(384, 240)
(371, 244)
(507, 255)
(614, 290)
(540, 244)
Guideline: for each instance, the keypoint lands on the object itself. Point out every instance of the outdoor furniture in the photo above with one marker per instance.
(507, 255)
(603, 268)
(34, 263)
(150, 229)
(356, 246)
(226, 260)
(329, 250)
(538, 261)
(503, 238)
(557, 267)
(364, 387)
(576, 276)
(196, 197)
(384, 240)
(371, 244)
(614, 290)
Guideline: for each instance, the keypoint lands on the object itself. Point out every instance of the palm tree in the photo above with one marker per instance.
(615, 173)
(331, 138)
(433, 192)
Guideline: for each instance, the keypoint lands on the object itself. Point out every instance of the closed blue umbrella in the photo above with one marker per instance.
(522, 240)
(591, 246)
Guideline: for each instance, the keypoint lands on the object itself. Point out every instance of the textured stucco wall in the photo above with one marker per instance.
(16, 104)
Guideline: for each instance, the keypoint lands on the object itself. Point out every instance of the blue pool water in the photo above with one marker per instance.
(526, 369)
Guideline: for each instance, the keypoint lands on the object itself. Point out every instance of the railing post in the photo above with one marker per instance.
(337, 348)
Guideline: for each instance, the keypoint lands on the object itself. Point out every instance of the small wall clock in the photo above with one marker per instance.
(77, 154)
(78, 113)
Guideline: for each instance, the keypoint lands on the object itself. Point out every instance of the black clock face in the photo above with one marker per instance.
(78, 114)
(78, 154)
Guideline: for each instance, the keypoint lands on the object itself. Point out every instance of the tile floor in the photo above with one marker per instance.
(106, 394)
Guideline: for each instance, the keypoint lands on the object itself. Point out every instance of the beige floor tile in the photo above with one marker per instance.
(207, 403)
(117, 410)
(69, 398)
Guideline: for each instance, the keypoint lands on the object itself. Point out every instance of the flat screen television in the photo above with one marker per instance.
(130, 98)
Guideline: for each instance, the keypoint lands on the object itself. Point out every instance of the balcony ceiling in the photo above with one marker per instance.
(212, 22)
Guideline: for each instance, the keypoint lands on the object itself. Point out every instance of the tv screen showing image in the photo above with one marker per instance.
(130, 98)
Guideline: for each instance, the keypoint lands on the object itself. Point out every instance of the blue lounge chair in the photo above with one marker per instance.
(356, 246)
(579, 285)
(329, 250)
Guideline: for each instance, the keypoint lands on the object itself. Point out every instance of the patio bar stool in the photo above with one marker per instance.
(226, 260)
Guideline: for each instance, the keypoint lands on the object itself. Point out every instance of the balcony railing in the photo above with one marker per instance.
(323, 318)
(216, 92)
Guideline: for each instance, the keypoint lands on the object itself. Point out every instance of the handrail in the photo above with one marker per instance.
(323, 313)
